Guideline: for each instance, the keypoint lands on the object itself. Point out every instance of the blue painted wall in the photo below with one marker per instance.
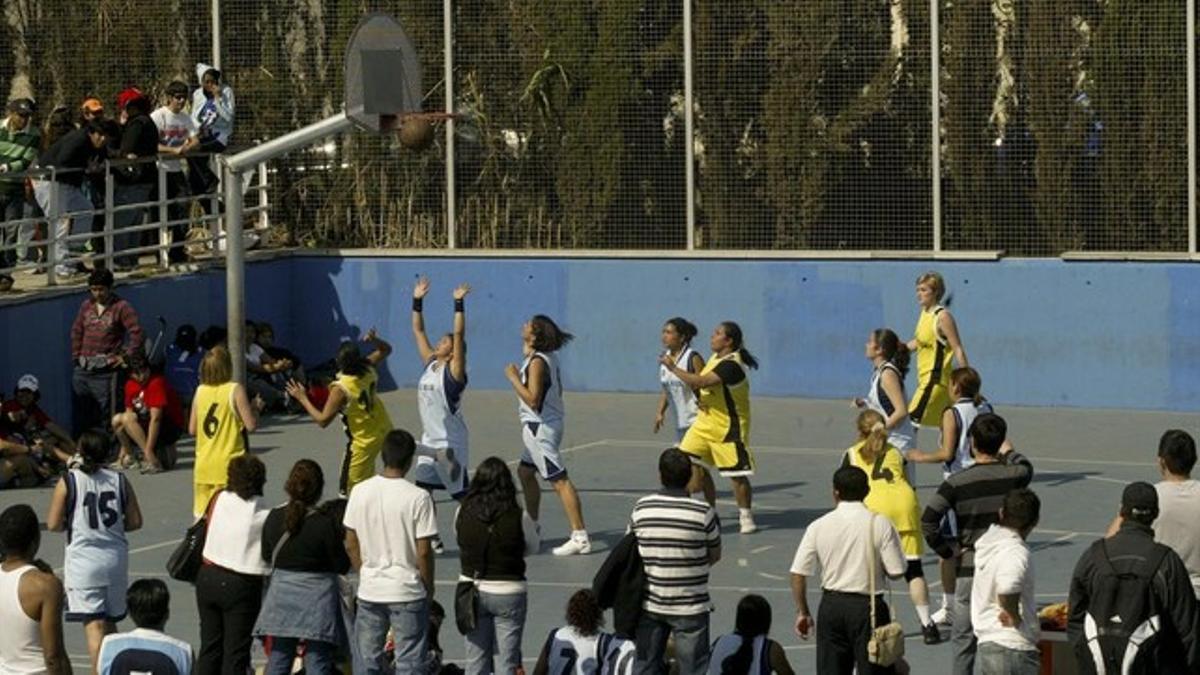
(1042, 332)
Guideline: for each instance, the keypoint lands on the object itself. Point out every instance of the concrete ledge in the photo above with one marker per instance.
(644, 254)
(1134, 256)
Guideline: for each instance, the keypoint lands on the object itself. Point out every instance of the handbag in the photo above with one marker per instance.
(886, 645)
(185, 561)
(466, 595)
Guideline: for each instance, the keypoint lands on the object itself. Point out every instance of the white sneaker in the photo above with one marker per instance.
(943, 617)
(574, 546)
(746, 520)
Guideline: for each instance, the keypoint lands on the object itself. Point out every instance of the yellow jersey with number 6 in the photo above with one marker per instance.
(365, 419)
(220, 434)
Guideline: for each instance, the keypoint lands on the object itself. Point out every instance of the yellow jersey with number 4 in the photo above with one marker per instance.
(365, 419)
(220, 434)
(724, 408)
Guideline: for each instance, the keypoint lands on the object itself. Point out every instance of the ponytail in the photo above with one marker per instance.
(93, 448)
(547, 336)
(893, 349)
(968, 383)
(734, 333)
(303, 487)
(874, 433)
(686, 329)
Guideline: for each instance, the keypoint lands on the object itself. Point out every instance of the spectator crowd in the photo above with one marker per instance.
(348, 583)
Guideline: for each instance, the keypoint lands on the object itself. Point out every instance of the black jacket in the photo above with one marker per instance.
(493, 551)
(1130, 547)
(70, 154)
(621, 584)
(139, 137)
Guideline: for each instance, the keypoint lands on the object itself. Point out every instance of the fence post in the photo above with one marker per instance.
(689, 131)
(216, 34)
(109, 190)
(448, 85)
(164, 232)
(1191, 125)
(935, 135)
(216, 225)
(264, 220)
(52, 232)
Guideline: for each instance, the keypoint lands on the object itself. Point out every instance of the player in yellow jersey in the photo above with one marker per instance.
(720, 436)
(222, 418)
(353, 396)
(893, 497)
(937, 345)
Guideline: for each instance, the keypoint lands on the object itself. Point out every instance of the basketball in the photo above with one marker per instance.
(416, 133)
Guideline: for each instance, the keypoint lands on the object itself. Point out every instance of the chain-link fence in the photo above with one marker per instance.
(1062, 126)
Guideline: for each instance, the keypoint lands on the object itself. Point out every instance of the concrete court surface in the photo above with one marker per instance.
(1082, 458)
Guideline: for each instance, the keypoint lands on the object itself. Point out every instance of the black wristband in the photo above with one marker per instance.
(417, 304)
(459, 304)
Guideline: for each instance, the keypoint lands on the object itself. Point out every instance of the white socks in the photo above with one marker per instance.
(923, 615)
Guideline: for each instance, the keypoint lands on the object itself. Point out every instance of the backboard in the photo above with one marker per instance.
(383, 74)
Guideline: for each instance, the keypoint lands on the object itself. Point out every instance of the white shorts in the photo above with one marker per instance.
(429, 474)
(542, 451)
(98, 602)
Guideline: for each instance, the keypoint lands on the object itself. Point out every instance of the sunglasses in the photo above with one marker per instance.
(179, 97)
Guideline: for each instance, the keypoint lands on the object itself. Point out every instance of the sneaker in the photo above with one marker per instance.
(453, 468)
(122, 464)
(574, 546)
(747, 525)
(438, 547)
(943, 617)
(149, 469)
(931, 634)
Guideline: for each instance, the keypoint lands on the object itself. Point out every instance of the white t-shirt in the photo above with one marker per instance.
(254, 354)
(1003, 566)
(389, 515)
(1178, 513)
(836, 544)
(173, 131)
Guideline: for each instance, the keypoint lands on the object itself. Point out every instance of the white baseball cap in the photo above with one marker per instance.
(28, 382)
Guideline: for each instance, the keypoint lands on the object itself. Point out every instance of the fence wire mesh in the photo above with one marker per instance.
(1063, 125)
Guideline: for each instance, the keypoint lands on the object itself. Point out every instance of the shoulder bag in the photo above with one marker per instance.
(886, 645)
(185, 561)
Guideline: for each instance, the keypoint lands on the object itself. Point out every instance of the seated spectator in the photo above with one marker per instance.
(261, 372)
(304, 547)
(31, 599)
(146, 649)
(293, 370)
(17, 466)
(579, 647)
(153, 418)
(749, 649)
(22, 416)
(212, 336)
(182, 364)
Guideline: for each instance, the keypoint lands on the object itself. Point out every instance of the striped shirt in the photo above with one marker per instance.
(144, 651)
(975, 494)
(676, 534)
(113, 331)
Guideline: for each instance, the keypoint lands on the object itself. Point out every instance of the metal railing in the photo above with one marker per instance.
(21, 238)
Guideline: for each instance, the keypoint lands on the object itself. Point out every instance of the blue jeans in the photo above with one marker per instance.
(691, 643)
(319, 657)
(498, 630)
(962, 633)
(997, 660)
(408, 621)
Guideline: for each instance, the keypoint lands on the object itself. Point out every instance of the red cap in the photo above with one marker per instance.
(128, 95)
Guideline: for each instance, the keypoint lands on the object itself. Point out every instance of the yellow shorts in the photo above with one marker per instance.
(358, 464)
(204, 493)
(927, 406)
(731, 459)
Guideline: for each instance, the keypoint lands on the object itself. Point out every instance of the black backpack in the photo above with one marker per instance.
(1121, 630)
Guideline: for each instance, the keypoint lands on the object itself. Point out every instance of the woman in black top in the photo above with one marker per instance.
(494, 536)
(302, 602)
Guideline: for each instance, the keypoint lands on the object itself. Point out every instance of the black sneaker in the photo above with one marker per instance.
(931, 634)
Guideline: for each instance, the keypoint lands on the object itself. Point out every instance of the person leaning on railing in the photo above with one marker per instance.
(58, 189)
(19, 140)
(135, 179)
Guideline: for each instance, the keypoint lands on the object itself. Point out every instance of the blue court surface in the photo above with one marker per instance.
(1082, 459)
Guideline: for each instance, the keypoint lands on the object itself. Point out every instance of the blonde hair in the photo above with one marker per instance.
(935, 282)
(873, 431)
(216, 367)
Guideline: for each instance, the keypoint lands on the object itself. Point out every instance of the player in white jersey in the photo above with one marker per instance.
(677, 334)
(97, 507)
(538, 385)
(954, 454)
(749, 650)
(579, 647)
(618, 656)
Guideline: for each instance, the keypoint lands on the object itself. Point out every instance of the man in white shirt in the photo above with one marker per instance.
(838, 543)
(177, 134)
(390, 527)
(1179, 501)
(1003, 609)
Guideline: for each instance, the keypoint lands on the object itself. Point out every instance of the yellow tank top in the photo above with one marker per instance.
(724, 409)
(890, 494)
(934, 356)
(220, 434)
(365, 419)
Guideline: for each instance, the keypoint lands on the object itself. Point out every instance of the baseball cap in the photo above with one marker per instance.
(22, 106)
(129, 95)
(1140, 499)
(92, 104)
(27, 382)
